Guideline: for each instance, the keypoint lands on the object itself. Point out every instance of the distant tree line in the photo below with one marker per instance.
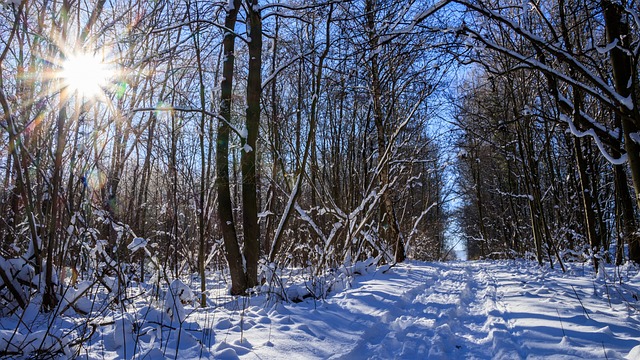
(550, 146)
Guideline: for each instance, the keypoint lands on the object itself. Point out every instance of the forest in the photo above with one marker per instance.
(142, 142)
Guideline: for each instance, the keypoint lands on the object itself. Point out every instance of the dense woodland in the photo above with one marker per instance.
(245, 136)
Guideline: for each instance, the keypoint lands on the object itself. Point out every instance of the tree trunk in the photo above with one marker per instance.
(225, 206)
(49, 299)
(587, 201)
(394, 239)
(627, 230)
(617, 29)
(480, 206)
(248, 157)
(274, 130)
(204, 184)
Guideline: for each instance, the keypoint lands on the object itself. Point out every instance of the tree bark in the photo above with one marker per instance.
(626, 218)
(248, 157)
(617, 29)
(225, 206)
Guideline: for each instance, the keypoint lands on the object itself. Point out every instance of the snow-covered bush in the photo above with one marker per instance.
(177, 295)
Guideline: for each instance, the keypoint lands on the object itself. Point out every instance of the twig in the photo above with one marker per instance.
(581, 304)
(561, 326)
(389, 268)
(608, 295)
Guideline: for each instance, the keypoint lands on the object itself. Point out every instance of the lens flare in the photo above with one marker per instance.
(86, 74)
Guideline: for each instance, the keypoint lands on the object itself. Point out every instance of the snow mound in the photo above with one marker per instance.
(177, 295)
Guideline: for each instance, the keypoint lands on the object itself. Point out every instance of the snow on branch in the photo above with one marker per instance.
(591, 132)
(536, 64)
(414, 230)
(559, 53)
(292, 7)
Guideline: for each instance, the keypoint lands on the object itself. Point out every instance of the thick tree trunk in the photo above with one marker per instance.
(624, 212)
(225, 206)
(617, 28)
(248, 158)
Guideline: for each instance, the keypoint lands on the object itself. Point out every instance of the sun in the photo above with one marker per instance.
(85, 74)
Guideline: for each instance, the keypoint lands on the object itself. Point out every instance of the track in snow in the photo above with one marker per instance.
(456, 310)
(443, 311)
(415, 310)
(462, 310)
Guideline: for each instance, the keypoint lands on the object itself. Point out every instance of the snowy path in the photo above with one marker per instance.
(463, 310)
(456, 310)
(440, 312)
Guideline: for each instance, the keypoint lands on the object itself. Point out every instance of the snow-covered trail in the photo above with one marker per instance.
(444, 311)
(457, 310)
(415, 310)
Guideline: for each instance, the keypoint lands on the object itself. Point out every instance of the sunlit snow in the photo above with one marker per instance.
(454, 310)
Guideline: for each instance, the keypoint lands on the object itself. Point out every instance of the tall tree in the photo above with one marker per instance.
(225, 205)
(249, 142)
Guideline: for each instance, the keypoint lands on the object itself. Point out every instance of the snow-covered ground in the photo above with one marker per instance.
(453, 310)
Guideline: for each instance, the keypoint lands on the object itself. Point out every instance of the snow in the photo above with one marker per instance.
(137, 243)
(178, 294)
(455, 310)
(244, 133)
(591, 132)
(15, 3)
(627, 101)
(595, 85)
(605, 49)
(264, 214)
